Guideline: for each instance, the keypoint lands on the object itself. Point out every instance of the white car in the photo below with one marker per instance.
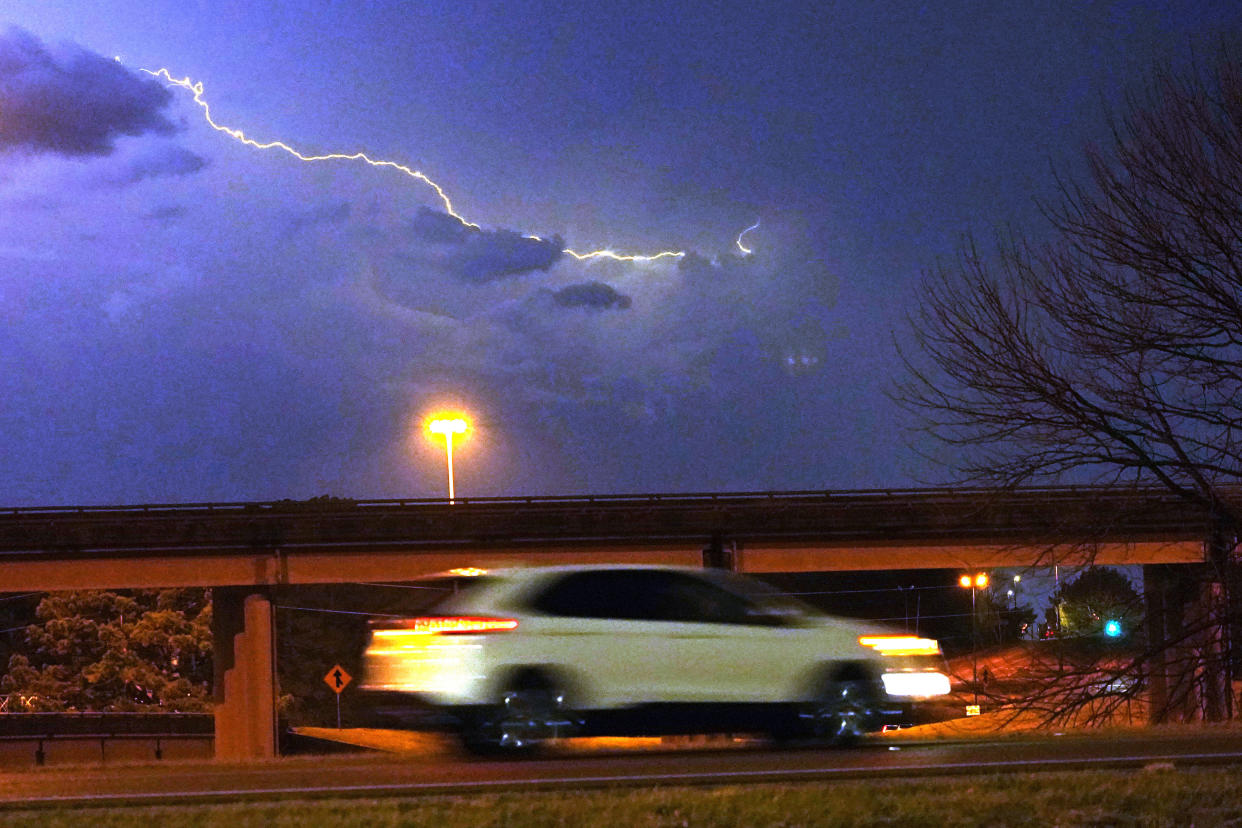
(519, 656)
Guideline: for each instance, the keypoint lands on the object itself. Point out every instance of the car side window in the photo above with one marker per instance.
(688, 599)
(602, 594)
(642, 595)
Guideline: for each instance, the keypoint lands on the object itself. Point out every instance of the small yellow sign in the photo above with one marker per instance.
(337, 679)
(971, 709)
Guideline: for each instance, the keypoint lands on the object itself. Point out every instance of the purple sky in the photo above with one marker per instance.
(186, 318)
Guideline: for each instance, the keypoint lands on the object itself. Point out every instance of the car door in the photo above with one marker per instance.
(603, 627)
(717, 646)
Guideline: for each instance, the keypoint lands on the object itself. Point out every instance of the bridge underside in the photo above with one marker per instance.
(361, 564)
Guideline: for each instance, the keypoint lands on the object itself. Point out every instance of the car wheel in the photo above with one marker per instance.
(845, 711)
(527, 715)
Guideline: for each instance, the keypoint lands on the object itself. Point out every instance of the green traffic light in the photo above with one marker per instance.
(1112, 628)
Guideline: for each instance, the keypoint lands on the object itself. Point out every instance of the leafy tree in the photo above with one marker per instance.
(1110, 349)
(1099, 594)
(996, 621)
(100, 650)
(1010, 624)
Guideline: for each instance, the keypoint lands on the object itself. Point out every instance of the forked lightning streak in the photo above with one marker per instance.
(196, 89)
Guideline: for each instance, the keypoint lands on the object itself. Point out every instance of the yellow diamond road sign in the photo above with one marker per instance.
(337, 678)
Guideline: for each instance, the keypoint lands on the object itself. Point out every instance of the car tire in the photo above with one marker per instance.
(529, 713)
(845, 710)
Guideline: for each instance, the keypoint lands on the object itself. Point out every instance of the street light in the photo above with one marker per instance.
(974, 583)
(448, 427)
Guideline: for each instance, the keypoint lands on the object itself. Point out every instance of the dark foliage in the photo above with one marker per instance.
(101, 651)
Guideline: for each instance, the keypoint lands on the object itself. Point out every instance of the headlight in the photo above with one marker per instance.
(916, 685)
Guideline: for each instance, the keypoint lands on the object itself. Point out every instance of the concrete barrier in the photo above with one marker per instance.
(33, 739)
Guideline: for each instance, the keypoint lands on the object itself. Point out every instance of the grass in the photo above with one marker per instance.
(1157, 796)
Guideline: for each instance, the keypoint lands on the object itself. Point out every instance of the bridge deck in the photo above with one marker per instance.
(333, 540)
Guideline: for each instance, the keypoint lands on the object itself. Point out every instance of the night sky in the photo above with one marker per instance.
(184, 318)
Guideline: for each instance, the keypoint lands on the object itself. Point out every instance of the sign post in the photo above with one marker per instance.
(338, 679)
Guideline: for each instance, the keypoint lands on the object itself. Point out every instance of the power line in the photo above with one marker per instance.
(924, 617)
(339, 612)
(911, 588)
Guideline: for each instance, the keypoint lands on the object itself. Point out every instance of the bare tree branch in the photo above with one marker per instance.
(1112, 351)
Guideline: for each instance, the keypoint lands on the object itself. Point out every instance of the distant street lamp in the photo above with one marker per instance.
(974, 583)
(448, 427)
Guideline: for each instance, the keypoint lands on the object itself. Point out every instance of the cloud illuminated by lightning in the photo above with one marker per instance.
(196, 89)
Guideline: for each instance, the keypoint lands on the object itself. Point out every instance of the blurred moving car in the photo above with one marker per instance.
(516, 657)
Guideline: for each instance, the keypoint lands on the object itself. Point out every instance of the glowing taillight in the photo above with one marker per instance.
(900, 645)
(446, 625)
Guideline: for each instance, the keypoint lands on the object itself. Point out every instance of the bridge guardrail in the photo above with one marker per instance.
(74, 732)
(327, 504)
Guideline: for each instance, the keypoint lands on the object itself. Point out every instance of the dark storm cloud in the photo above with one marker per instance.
(591, 295)
(73, 102)
(480, 256)
(438, 228)
(167, 159)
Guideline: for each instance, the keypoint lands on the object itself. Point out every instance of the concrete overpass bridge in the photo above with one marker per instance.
(241, 550)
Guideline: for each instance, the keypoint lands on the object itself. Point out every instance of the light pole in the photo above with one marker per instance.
(974, 583)
(448, 427)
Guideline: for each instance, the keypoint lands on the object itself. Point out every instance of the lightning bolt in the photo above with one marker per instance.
(746, 251)
(609, 254)
(196, 90)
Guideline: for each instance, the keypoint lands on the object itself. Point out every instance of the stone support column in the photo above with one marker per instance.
(244, 642)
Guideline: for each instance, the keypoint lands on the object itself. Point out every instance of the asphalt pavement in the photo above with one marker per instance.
(442, 769)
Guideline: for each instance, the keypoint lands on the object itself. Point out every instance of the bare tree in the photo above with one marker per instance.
(1112, 350)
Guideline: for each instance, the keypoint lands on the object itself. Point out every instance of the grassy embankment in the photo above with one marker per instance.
(1151, 797)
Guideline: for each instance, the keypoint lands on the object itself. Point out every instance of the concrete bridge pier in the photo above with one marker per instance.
(1191, 612)
(244, 687)
(1167, 590)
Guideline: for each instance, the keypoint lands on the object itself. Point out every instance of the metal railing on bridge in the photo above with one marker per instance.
(983, 515)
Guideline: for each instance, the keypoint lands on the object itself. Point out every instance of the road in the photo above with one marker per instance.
(447, 771)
